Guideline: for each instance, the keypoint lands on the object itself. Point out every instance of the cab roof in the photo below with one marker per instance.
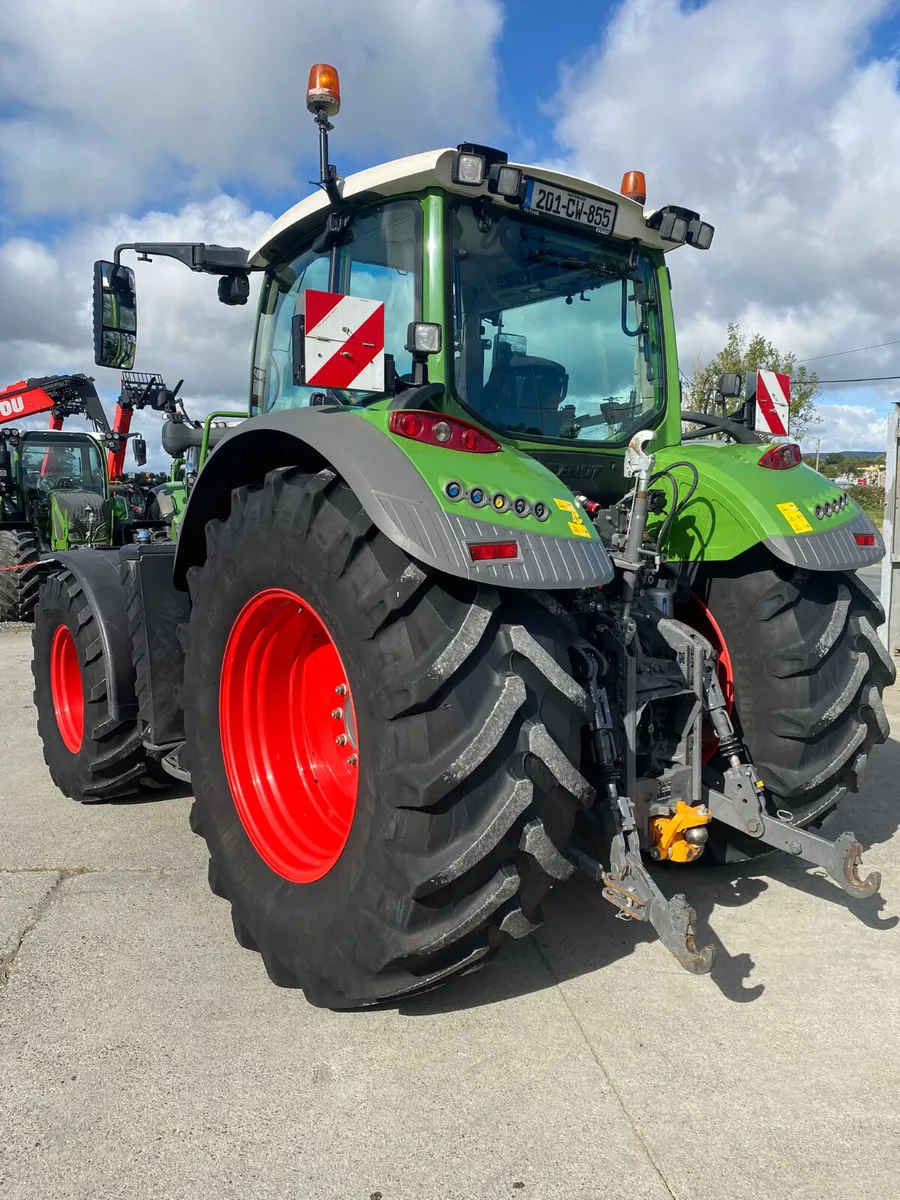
(62, 435)
(433, 170)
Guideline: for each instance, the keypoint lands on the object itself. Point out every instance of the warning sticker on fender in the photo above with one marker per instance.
(578, 527)
(794, 517)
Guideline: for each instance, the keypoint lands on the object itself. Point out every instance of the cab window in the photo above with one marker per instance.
(378, 259)
(54, 463)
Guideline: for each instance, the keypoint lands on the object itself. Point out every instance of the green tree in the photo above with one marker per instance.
(742, 354)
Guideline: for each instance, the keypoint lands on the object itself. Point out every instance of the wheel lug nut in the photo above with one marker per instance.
(337, 713)
(340, 740)
(352, 760)
(341, 689)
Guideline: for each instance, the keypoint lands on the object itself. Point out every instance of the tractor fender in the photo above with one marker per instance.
(391, 490)
(740, 505)
(97, 571)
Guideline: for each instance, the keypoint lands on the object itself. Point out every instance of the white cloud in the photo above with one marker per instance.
(110, 102)
(848, 427)
(765, 117)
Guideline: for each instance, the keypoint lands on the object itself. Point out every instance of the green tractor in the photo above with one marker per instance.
(54, 489)
(460, 611)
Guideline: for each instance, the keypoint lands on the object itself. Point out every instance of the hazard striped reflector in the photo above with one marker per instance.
(770, 393)
(343, 344)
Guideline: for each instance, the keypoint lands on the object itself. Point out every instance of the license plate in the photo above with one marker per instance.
(550, 201)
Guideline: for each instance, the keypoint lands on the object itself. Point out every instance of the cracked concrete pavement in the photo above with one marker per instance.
(144, 1054)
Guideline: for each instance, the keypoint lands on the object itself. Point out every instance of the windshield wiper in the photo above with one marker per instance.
(571, 263)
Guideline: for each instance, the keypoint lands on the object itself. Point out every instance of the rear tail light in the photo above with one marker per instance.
(781, 458)
(865, 539)
(438, 430)
(485, 551)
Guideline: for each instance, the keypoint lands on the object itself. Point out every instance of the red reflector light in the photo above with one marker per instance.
(865, 539)
(437, 430)
(482, 551)
(781, 458)
(408, 424)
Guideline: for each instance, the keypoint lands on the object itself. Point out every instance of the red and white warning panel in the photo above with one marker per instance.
(343, 344)
(770, 392)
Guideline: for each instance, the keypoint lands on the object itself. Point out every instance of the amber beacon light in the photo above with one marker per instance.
(634, 186)
(323, 92)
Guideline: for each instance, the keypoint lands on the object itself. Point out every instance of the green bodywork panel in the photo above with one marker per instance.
(508, 471)
(120, 512)
(178, 494)
(736, 504)
(70, 524)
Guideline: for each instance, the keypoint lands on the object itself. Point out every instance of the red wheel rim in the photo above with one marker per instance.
(288, 735)
(65, 689)
(699, 617)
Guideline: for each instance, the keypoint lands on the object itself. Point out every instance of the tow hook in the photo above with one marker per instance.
(682, 836)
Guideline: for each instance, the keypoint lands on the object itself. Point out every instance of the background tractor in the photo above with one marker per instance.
(58, 494)
(460, 611)
(54, 492)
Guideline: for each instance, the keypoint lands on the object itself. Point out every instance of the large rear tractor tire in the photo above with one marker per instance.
(20, 574)
(808, 670)
(90, 755)
(383, 757)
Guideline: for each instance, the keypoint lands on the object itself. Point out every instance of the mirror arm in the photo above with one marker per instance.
(197, 256)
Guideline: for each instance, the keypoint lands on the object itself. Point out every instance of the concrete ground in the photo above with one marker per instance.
(144, 1054)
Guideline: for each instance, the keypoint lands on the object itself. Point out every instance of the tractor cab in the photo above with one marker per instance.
(536, 305)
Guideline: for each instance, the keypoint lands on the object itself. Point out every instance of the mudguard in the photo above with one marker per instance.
(98, 573)
(738, 504)
(407, 503)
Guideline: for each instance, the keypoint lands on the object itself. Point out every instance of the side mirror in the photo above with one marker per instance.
(139, 450)
(729, 385)
(115, 316)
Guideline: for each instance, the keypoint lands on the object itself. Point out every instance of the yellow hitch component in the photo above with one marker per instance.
(672, 839)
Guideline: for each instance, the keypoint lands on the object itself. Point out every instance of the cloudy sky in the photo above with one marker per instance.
(779, 120)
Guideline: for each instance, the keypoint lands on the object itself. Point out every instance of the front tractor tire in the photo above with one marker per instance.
(20, 574)
(90, 755)
(808, 670)
(383, 758)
